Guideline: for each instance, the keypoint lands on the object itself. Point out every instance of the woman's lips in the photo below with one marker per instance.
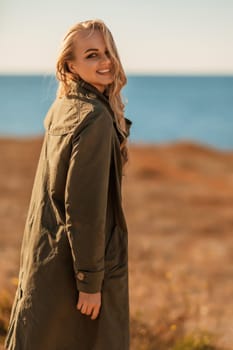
(103, 71)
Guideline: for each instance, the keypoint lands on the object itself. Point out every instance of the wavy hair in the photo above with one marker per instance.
(65, 76)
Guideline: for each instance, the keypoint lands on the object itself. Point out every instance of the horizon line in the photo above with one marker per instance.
(129, 73)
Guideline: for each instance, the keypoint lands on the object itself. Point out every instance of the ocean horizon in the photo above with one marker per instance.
(163, 108)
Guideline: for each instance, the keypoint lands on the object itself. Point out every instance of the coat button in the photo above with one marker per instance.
(80, 276)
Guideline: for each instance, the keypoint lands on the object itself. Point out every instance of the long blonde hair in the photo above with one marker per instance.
(65, 76)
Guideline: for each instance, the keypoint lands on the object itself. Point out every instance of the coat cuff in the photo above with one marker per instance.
(89, 282)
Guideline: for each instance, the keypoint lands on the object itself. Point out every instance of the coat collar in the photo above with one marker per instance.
(90, 90)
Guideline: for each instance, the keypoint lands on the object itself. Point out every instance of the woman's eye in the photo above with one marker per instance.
(91, 55)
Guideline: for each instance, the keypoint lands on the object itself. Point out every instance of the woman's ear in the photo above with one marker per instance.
(72, 67)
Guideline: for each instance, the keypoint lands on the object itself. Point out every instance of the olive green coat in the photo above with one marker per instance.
(75, 236)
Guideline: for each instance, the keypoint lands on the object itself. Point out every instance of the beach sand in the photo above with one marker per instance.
(178, 201)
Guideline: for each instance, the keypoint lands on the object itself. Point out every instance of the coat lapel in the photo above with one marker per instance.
(87, 88)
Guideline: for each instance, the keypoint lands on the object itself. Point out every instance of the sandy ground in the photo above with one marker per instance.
(178, 200)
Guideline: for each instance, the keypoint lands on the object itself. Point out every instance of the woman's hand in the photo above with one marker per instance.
(89, 303)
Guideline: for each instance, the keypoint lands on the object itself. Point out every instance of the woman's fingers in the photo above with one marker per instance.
(84, 308)
(89, 309)
(79, 305)
(89, 304)
(95, 312)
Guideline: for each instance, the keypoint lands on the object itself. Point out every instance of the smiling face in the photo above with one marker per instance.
(92, 60)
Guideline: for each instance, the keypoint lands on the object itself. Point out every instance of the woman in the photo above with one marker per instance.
(73, 279)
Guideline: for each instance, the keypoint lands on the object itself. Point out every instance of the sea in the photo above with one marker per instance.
(162, 108)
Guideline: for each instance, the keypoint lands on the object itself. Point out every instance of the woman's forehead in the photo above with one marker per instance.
(87, 41)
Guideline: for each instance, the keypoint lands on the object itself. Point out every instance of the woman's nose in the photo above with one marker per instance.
(106, 59)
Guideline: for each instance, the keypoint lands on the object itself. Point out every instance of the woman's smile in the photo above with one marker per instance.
(104, 71)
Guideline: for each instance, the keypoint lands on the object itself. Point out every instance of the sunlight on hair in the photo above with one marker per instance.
(65, 76)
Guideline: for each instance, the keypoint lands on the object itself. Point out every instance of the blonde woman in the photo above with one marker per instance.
(73, 279)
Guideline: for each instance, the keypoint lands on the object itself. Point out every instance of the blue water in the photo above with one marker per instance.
(162, 108)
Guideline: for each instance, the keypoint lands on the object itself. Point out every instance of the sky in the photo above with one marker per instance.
(152, 36)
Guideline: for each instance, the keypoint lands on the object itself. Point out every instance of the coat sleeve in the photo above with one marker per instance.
(86, 200)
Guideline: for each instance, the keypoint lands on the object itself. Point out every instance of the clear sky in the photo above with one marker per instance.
(152, 36)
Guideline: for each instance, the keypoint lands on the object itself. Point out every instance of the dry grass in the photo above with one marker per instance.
(5, 308)
(167, 337)
(178, 201)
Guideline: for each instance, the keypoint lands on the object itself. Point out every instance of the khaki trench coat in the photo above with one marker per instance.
(75, 236)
